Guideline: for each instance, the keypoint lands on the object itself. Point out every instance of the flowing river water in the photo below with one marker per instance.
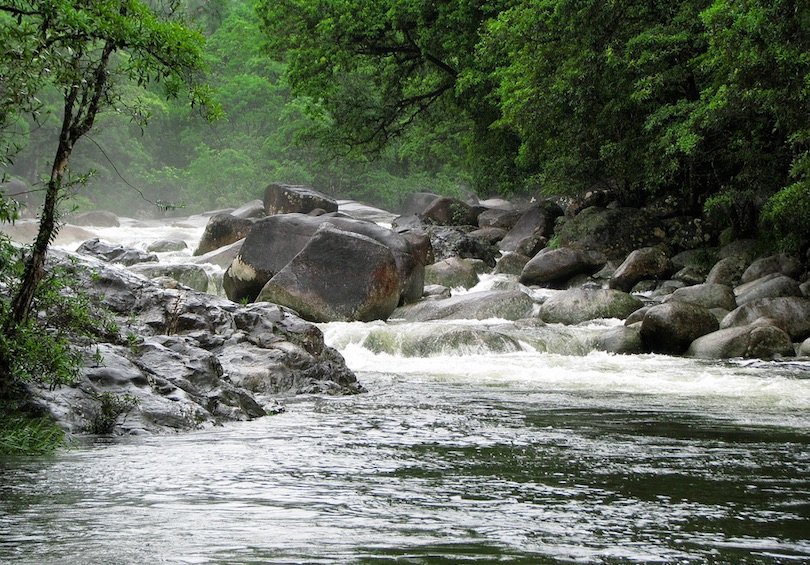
(476, 442)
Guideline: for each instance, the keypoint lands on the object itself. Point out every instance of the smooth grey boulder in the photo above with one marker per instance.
(115, 253)
(645, 263)
(499, 218)
(727, 271)
(671, 327)
(416, 202)
(447, 211)
(754, 341)
(804, 348)
(252, 210)
(791, 314)
(296, 199)
(780, 263)
(221, 230)
(507, 305)
(511, 264)
(579, 305)
(621, 340)
(275, 240)
(166, 245)
(436, 291)
(95, 218)
(532, 230)
(555, 266)
(744, 248)
(690, 275)
(452, 272)
(222, 257)
(338, 276)
(708, 295)
(488, 236)
(772, 285)
(449, 241)
(192, 276)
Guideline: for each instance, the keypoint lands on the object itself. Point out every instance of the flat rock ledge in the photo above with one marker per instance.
(182, 360)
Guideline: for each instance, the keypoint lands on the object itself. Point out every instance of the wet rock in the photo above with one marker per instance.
(192, 276)
(507, 305)
(707, 295)
(488, 236)
(579, 305)
(337, 276)
(744, 248)
(754, 341)
(673, 326)
(621, 340)
(781, 263)
(416, 202)
(452, 272)
(436, 291)
(646, 263)
(531, 232)
(804, 348)
(289, 199)
(252, 210)
(499, 218)
(221, 230)
(690, 275)
(791, 314)
(511, 264)
(114, 253)
(221, 257)
(555, 266)
(166, 245)
(772, 285)
(449, 241)
(446, 211)
(727, 271)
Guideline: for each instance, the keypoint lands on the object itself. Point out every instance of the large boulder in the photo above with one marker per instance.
(452, 272)
(499, 218)
(615, 232)
(338, 276)
(416, 202)
(781, 263)
(555, 266)
(754, 341)
(511, 264)
(579, 305)
(641, 264)
(804, 348)
(533, 229)
(114, 253)
(275, 240)
(621, 339)
(222, 230)
(447, 211)
(772, 285)
(222, 257)
(289, 199)
(727, 271)
(447, 241)
(507, 305)
(673, 326)
(251, 210)
(192, 276)
(708, 295)
(791, 314)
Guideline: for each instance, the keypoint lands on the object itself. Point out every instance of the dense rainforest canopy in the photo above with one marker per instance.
(706, 101)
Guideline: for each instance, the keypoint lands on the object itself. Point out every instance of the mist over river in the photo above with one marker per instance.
(462, 450)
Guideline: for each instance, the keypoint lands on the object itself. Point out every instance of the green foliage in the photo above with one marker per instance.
(110, 408)
(786, 216)
(21, 434)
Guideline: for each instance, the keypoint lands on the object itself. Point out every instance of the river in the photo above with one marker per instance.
(515, 444)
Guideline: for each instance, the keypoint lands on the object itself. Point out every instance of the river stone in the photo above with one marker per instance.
(115, 253)
(417, 202)
(754, 341)
(166, 245)
(804, 348)
(436, 291)
(192, 276)
(641, 264)
(744, 248)
(579, 305)
(288, 199)
(488, 236)
(452, 272)
(791, 314)
(252, 210)
(555, 266)
(690, 275)
(511, 264)
(532, 230)
(673, 326)
(499, 218)
(507, 305)
(338, 276)
(221, 230)
(447, 211)
(771, 285)
(448, 241)
(727, 271)
(614, 232)
(707, 295)
(781, 263)
(621, 340)
(95, 218)
(275, 240)
(222, 257)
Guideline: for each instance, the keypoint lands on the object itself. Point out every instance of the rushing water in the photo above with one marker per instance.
(477, 442)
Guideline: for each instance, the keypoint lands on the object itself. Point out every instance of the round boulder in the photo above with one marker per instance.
(671, 327)
(780, 263)
(287, 199)
(534, 227)
(707, 295)
(447, 211)
(754, 341)
(337, 276)
(727, 271)
(791, 314)
(641, 264)
(222, 230)
(582, 304)
(769, 286)
(452, 272)
(555, 266)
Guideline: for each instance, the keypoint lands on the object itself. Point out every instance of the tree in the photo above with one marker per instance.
(87, 50)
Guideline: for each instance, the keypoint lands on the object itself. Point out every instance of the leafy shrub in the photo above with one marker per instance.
(786, 217)
(110, 408)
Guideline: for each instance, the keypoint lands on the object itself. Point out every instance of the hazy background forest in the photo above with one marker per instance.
(703, 101)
